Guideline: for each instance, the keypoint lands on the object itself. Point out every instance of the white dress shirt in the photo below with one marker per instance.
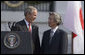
(54, 30)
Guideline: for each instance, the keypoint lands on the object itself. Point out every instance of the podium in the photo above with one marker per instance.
(16, 42)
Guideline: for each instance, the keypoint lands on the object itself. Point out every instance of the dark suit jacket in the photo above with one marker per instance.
(21, 26)
(58, 44)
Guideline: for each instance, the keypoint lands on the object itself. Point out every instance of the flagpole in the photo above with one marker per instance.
(72, 42)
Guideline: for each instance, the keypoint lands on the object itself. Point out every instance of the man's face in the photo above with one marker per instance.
(31, 17)
(51, 21)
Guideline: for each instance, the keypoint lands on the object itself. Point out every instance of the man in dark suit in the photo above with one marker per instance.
(54, 40)
(27, 25)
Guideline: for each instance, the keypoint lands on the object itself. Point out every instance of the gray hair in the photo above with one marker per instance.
(29, 9)
(57, 17)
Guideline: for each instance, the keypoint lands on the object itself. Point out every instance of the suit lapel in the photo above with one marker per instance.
(56, 32)
(48, 36)
(33, 28)
(55, 35)
(24, 26)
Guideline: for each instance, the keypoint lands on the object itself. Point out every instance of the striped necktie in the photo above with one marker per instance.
(51, 35)
(32, 43)
(30, 29)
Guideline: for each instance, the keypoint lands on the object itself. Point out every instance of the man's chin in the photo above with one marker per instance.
(31, 21)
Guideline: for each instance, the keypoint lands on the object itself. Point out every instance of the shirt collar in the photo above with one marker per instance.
(54, 29)
(26, 23)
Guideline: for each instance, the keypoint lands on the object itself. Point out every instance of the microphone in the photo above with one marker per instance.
(11, 25)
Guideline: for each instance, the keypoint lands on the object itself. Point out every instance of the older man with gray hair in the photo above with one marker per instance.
(54, 40)
(26, 24)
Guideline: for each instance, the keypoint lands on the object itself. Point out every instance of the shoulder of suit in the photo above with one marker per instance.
(19, 22)
(47, 31)
(62, 31)
(34, 25)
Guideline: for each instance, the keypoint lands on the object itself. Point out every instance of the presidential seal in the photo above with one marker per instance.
(11, 40)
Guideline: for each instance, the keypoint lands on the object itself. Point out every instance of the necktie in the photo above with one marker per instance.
(30, 30)
(51, 35)
(30, 27)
